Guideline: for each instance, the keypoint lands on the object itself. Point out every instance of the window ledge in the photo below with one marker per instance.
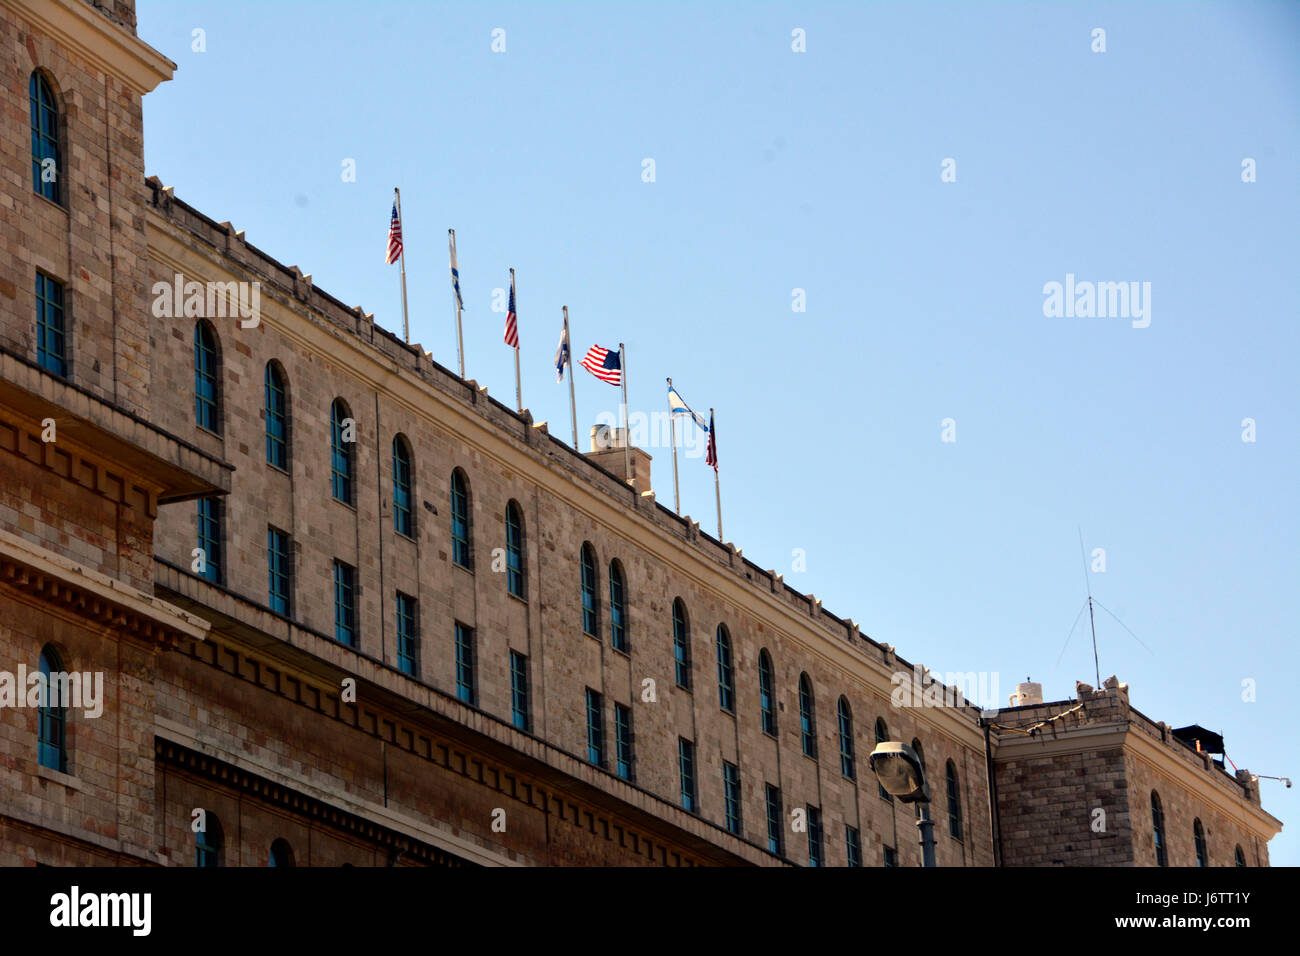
(521, 600)
(56, 776)
(50, 202)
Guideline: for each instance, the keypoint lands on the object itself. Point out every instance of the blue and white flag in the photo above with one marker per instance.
(562, 353)
(676, 406)
(455, 271)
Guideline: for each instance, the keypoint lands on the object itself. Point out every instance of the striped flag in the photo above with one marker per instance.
(394, 236)
(562, 354)
(455, 272)
(604, 364)
(676, 406)
(711, 458)
(512, 320)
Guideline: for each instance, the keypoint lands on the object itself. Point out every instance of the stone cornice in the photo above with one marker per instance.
(88, 33)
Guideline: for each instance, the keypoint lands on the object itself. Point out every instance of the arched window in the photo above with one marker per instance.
(845, 715)
(281, 853)
(277, 417)
(590, 596)
(767, 692)
(206, 389)
(681, 645)
(1158, 829)
(47, 169)
(515, 550)
(1240, 856)
(954, 801)
(920, 753)
(617, 608)
(726, 672)
(342, 440)
(208, 842)
(51, 738)
(460, 536)
(1198, 836)
(403, 517)
(882, 735)
(807, 717)
(210, 538)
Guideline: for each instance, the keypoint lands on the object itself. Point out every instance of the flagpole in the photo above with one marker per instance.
(627, 449)
(519, 388)
(406, 321)
(573, 405)
(672, 432)
(717, 488)
(460, 337)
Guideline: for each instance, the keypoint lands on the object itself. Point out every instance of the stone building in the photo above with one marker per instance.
(348, 609)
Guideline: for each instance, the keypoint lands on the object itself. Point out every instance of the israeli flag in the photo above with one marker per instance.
(678, 407)
(562, 354)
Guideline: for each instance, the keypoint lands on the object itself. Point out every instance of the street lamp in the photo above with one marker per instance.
(900, 771)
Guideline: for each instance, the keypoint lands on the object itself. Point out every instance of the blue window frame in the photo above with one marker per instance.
(595, 729)
(1198, 837)
(345, 604)
(726, 672)
(681, 645)
(205, 377)
(466, 688)
(519, 712)
(342, 466)
(408, 634)
(617, 608)
(277, 417)
(209, 523)
(807, 717)
(766, 693)
(920, 753)
(514, 550)
(954, 800)
(775, 831)
(278, 570)
(208, 842)
(52, 718)
(891, 856)
(1158, 829)
(623, 741)
(460, 549)
(686, 770)
(51, 330)
(281, 853)
(590, 599)
(847, 764)
(852, 846)
(403, 519)
(815, 849)
(1239, 856)
(731, 796)
(882, 735)
(45, 138)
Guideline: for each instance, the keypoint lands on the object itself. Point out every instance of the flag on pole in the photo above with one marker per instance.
(678, 407)
(394, 236)
(711, 458)
(512, 320)
(455, 272)
(604, 364)
(562, 354)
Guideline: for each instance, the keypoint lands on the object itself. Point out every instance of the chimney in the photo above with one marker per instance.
(607, 451)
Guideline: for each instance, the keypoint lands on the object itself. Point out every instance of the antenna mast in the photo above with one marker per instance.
(1087, 583)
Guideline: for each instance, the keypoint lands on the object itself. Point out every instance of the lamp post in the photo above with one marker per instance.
(900, 771)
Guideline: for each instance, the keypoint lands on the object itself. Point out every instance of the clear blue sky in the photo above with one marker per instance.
(820, 170)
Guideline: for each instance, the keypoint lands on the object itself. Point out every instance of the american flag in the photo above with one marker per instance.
(512, 320)
(711, 457)
(394, 236)
(603, 364)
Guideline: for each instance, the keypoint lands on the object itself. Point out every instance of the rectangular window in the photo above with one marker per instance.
(277, 570)
(774, 820)
(853, 845)
(891, 856)
(519, 690)
(465, 688)
(51, 340)
(407, 633)
(595, 729)
(623, 741)
(731, 796)
(210, 538)
(815, 837)
(686, 768)
(345, 604)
